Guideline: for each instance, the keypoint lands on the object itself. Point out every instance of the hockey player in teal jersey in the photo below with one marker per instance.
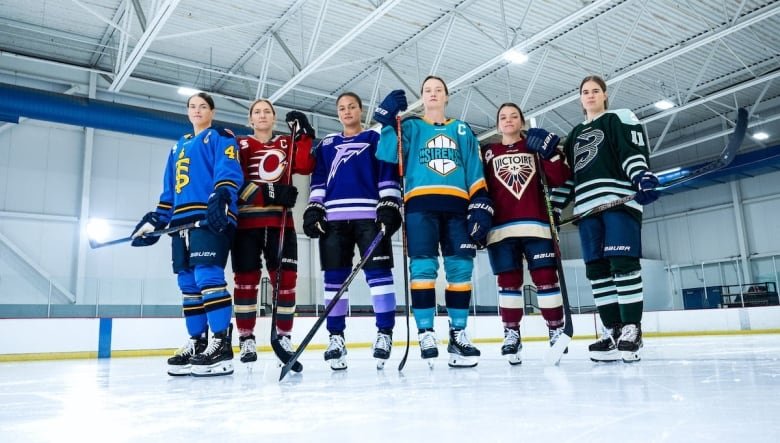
(447, 206)
(201, 182)
(609, 159)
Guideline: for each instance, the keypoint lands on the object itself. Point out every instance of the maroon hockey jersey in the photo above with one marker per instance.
(516, 190)
(268, 163)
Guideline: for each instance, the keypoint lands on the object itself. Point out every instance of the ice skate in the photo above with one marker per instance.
(336, 354)
(247, 350)
(512, 346)
(605, 349)
(555, 334)
(559, 345)
(179, 364)
(462, 353)
(217, 358)
(630, 342)
(428, 346)
(285, 343)
(382, 347)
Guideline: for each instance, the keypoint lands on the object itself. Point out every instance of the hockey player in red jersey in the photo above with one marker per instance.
(268, 192)
(521, 224)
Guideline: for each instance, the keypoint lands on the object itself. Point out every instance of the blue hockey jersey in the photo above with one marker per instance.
(348, 179)
(197, 165)
(443, 169)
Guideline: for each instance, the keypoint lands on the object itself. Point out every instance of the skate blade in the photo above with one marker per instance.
(337, 364)
(553, 355)
(380, 363)
(179, 371)
(605, 357)
(217, 369)
(629, 356)
(514, 359)
(459, 361)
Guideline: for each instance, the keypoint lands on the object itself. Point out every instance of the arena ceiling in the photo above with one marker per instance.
(706, 57)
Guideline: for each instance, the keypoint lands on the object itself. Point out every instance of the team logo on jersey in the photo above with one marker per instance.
(587, 148)
(514, 171)
(182, 172)
(270, 165)
(344, 152)
(441, 155)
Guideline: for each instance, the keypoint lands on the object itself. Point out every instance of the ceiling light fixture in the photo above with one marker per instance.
(187, 91)
(760, 136)
(515, 56)
(664, 104)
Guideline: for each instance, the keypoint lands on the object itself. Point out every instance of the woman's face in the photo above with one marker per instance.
(199, 112)
(349, 111)
(593, 97)
(262, 116)
(434, 94)
(509, 121)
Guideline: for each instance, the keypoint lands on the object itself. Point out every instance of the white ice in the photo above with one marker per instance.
(697, 389)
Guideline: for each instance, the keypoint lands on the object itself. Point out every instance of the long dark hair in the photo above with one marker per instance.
(353, 95)
(510, 105)
(204, 96)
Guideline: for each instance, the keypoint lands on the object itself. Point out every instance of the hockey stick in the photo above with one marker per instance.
(554, 354)
(405, 250)
(280, 352)
(724, 159)
(94, 244)
(305, 342)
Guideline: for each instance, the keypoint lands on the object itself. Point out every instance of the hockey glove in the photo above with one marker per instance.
(388, 213)
(279, 194)
(480, 220)
(149, 223)
(298, 122)
(314, 220)
(646, 182)
(217, 212)
(543, 142)
(394, 103)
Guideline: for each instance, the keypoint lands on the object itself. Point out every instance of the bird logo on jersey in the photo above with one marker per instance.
(587, 148)
(441, 154)
(514, 171)
(270, 165)
(344, 152)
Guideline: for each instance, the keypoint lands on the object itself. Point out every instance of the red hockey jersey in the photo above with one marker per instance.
(516, 190)
(268, 163)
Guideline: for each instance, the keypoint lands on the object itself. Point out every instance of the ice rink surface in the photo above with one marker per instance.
(693, 389)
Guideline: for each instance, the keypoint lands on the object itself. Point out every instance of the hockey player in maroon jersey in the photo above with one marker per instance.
(521, 224)
(267, 193)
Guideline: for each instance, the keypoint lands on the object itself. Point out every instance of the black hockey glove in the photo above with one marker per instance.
(279, 194)
(480, 220)
(149, 223)
(541, 141)
(298, 122)
(217, 212)
(314, 222)
(388, 213)
(646, 182)
(394, 103)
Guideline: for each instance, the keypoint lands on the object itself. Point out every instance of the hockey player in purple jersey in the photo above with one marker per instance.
(446, 204)
(352, 194)
(201, 182)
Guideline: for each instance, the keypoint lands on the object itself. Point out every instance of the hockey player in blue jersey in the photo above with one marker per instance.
(201, 181)
(446, 204)
(352, 194)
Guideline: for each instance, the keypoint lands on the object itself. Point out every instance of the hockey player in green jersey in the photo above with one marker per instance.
(447, 205)
(609, 158)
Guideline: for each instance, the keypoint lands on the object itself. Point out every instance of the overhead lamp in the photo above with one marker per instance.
(664, 104)
(97, 229)
(515, 56)
(187, 91)
(760, 136)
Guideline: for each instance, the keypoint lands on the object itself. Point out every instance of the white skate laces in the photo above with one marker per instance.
(286, 344)
(462, 339)
(188, 350)
(427, 340)
(511, 337)
(336, 344)
(629, 333)
(214, 345)
(383, 342)
(248, 346)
